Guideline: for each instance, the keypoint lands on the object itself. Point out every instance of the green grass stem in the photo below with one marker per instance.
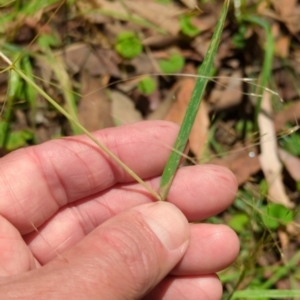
(65, 84)
(267, 63)
(282, 271)
(82, 128)
(259, 294)
(193, 106)
(31, 94)
(13, 87)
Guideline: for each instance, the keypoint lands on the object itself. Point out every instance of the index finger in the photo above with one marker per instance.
(37, 181)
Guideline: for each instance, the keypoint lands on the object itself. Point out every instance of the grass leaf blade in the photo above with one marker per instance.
(192, 109)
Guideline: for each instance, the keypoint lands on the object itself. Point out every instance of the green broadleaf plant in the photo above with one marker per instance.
(276, 214)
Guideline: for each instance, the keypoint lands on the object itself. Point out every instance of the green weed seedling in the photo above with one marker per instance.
(238, 222)
(172, 65)
(291, 143)
(147, 86)
(187, 27)
(128, 45)
(276, 214)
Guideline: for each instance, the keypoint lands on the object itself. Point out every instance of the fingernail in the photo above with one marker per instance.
(167, 222)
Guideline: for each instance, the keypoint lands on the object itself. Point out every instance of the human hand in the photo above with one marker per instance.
(100, 234)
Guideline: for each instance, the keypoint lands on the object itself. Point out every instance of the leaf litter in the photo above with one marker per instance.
(104, 84)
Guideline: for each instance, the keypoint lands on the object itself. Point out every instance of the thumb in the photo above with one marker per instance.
(124, 258)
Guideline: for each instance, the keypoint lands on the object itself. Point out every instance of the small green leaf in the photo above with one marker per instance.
(45, 41)
(298, 185)
(172, 65)
(18, 139)
(31, 7)
(263, 187)
(238, 38)
(147, 86)
(291, 143)
(275, 214)
(164, 1)
(128, 45)
(187, 26)
(246, 125)
(238, 222)
(4, 129)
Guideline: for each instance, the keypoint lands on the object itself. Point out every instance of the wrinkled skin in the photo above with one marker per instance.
(100, 235)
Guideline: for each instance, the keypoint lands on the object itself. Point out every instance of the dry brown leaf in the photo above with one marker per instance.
(205, 22)
(284, 239)
(199, 132)
(89, 12)
(291, 163)
(165, 105)
(94, 107)
(284, 7)
(112, 6)
(45, 70)
(42, 134)
(97, 62)
(163, 15)
(190, 3)
(3, 77)
(176, 114)
(270, 163)
(143, 64)
(240, 163)
(201, 44)
(289, 114)
(285, 82)
(159, 41)
(228, 91)
(123, 109)
(289, 13)
(282, 46)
